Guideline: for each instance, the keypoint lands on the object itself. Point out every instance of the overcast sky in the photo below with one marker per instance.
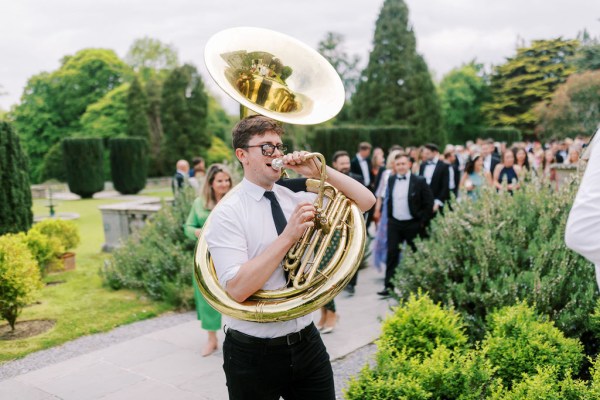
(36, 34)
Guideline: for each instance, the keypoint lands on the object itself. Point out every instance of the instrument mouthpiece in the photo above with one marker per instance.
(277, 164)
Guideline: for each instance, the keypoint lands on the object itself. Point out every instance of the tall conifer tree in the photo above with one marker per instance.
(184, 116)
(137, 111)
(396, 87)
(15, 193)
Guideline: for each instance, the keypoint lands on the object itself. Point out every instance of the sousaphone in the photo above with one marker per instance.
(282, 78)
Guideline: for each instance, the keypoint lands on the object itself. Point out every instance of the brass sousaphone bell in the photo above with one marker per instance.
(282, 78)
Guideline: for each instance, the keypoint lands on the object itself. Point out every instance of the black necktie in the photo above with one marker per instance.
(278, 217)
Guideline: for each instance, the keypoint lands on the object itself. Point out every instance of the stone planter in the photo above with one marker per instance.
(68, 261)
(563, 173)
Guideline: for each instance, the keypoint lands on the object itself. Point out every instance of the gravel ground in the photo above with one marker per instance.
(343, 368)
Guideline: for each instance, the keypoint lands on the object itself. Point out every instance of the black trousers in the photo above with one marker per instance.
(257, 369)
(398, 232)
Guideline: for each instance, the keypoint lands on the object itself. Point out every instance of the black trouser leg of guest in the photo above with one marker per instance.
(398, 232)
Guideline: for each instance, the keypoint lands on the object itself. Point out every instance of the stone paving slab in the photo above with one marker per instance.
(166, 363)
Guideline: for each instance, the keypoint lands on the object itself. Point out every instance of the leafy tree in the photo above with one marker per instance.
(587, 57)
(53, 103)
(107, 118)
(527, 79)
(574, 108)
(150, 57)
(331, 47)
(137, 111)
(219, 122)
(154, 93)
(396, 87)
(184, 116)
(53, 165)
(462, 93)
(15, 193)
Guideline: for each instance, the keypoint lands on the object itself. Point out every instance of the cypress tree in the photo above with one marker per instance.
(396, 87)
(128, 164)
(84, 162)
(137, 111)
(15, 192)
(184, 116)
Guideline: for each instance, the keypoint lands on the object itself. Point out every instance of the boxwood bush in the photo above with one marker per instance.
(19, 277)
(500, 249)
(159, 258)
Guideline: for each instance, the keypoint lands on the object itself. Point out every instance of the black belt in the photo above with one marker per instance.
(287, 340)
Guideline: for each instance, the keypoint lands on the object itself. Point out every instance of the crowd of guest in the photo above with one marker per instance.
(411, 184)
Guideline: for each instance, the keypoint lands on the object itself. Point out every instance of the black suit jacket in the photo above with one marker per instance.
(440, 181)
(420, 198)
(355, 168)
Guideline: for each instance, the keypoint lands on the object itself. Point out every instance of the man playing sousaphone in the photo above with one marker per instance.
(250, 233)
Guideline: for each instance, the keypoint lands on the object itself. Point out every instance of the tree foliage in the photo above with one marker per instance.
(331, 47)
(106, 118)
(137, 111)
(463, 91)
(530, 77)
(587, 57)
(574, 108)
(184, 108)
(151, 58)
(15, 193)
(396, 87)
(53, 103)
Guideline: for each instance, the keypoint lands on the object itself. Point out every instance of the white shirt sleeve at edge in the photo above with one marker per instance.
(582, 232)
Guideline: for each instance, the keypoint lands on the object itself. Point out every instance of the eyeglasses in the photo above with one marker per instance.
(268, 149)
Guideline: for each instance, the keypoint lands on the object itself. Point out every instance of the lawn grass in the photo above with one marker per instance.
(80, 305)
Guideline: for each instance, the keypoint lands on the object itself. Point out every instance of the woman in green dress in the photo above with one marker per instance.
(216, 185)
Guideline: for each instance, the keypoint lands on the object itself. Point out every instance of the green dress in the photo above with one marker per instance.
(210, 318)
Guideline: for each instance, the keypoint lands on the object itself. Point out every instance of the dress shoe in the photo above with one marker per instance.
(349, 289)
(326, 330)
(384, 293)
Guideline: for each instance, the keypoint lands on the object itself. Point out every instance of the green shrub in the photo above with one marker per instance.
(84, 163)
(19, 277)
(43, 248)
(544, 384)
(15, 192)
(219, 152)
(418, 326)
(519, 341)
(65, 232)
(128, 164)
(159, 258)
(489, 253)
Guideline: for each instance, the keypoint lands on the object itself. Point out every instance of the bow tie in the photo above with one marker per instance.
(402, 177)
(429, 163)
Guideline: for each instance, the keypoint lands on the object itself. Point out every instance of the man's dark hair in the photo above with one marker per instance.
(364, 146)
(338, 154)
(254, 125)
(197, 160)
(400, 155)
(432, 147)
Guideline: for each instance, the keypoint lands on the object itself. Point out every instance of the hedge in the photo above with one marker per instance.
(84, 165)
(128, 164)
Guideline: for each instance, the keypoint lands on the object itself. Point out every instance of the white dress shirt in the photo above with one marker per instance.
(240, 229)
(487, 163)
(401, 211)
(582, 233)
(429, 169)
(364, 167)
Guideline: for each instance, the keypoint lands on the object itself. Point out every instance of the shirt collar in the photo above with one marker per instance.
(407, 175)
(253, 190)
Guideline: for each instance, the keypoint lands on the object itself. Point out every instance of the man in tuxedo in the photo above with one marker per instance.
(437, 174)
(409, 207)
(341, 162)
(361, 164)
(490, 158)
(180, 178)
(452, 161)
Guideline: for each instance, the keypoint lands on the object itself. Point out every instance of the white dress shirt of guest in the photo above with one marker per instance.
(364, 168)
(401, 211)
